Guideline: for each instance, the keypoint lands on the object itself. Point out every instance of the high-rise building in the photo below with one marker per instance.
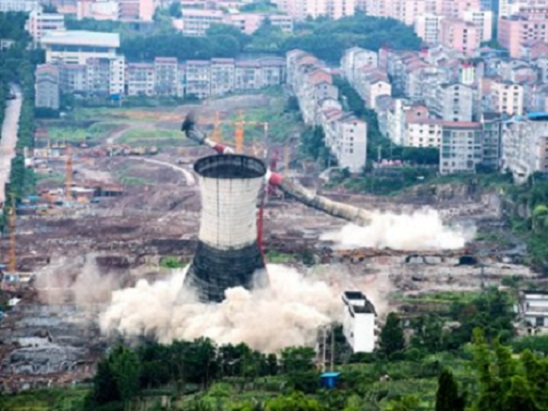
(517, 31)
(47, 87)
(460, 35)
(461, 148)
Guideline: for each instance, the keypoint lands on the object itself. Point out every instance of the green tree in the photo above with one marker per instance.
(391, 339)
(294, 402)
(176, 10)
(406, 403)
(296, 359)
(126, 369)
(447, 396)
(428, 333)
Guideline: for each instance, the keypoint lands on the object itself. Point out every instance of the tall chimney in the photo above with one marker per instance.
(228, 253)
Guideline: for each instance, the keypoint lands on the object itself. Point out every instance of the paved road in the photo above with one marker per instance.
(189, 177)
(9, 138)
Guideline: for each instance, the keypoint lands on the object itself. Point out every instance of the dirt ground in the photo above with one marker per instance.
(158, 215)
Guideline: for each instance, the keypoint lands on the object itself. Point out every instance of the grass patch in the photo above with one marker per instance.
(45, 400)
(70, 134)
(275, 257)
(135, 181)
(138, 135)
(57, 178)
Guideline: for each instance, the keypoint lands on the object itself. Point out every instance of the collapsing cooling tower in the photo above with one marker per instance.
(228, 253)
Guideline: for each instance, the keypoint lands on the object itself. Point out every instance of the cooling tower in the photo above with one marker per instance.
(228, 253)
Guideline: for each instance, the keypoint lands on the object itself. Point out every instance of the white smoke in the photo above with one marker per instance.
(287, 313)
(421, 230)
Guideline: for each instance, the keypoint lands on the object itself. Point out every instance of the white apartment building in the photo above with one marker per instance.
(337, 9)
(533, 308)
(428, 26)
(117, 76)
(76, 47)
(140, 79)
(424, 133)
(454, 102)
(198, 78)
(483, 19)
(461, 148)
(97, 10)
(395, 121)
(525, 145)
(196, 22)
(354, 59)
(40, 23)
(359, 322)
(222, 76)
(19, 5)
(47, 86)
(166, 76)
(507, 98)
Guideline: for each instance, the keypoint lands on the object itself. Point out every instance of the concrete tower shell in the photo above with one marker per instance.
(228, 254)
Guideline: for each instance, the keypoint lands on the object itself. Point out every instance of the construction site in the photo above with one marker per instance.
(118, 194)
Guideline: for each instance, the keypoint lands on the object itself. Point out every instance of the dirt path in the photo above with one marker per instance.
(189, 177)
(9, 137)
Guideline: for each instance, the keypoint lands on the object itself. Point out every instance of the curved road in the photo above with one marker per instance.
(8, 139)
(189, 177)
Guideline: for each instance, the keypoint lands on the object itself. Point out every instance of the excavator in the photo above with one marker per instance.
(290, 187)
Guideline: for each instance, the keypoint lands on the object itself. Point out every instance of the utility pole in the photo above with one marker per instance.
(332, 348)
(324, 343)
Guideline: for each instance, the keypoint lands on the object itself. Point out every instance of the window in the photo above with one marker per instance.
(539, 322)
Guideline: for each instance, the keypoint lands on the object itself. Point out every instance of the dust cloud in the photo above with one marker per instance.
(421, 230)
(287, 313)
(77, 281)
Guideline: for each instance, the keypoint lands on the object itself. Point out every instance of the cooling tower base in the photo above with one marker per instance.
(213, 271)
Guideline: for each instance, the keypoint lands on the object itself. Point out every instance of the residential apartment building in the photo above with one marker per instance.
(198, 78)
(461, 148)
(117, 76)
(515, 32)
(525, 145)
(98, 10)
(140, 79)
(248, 23)
(166, 76)
(301, 9)
(47, 87)
(355, 59)
(460, 35)
(424, 132)
(19, 5)
(336, 9)
(453, 102)
(507, 98)
(483, 20)
(76, 47)
(40, 23)
(222, 76)
(136, 10)
(196, 22)
(371, 83)
(312, 83)
(428, 27)
(492, 139)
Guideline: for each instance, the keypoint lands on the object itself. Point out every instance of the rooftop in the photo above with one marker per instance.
(82, 38)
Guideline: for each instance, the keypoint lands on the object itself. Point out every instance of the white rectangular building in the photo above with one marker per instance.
(533, 308)
(76, 47)
(19, 5)
(359, 322)
(40, 23)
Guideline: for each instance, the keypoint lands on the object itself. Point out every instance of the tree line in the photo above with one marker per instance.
(324, 38)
